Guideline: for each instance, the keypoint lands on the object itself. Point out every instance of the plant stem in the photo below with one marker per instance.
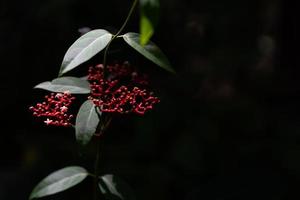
(97, 162)
(118, 33)
(102, 128)
(106, 119)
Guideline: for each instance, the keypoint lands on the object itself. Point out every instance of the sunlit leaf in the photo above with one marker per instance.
(59, 181)
(85, 48)
(86, 122)
(71, 84)
(115, 188)
(146, 29)
(150, 51)
(149, 15)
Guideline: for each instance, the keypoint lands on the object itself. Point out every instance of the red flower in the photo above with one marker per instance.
(121, 91)
(55, 109)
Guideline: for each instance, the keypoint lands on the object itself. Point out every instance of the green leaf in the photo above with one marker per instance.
(146, 29)
(85, 48)
(59, 181)
(115, 188)
(150, 51)
(149, 16)
(72, 84)
(86, 122)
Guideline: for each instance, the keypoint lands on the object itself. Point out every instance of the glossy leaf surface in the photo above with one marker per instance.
(86, 122)
(71, 84)
(150, 51)
(59, 181)
(115, 188)
(85, 48)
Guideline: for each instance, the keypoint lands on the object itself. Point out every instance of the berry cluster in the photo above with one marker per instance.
(55, 109)
(120, 91)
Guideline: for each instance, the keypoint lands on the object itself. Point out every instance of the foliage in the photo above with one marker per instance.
(107, 92)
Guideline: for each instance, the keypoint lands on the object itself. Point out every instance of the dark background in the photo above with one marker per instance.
(227, 126)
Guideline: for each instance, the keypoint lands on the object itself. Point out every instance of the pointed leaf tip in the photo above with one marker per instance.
(86, 122)
(114, 188)
(59, 181)
(150, 51)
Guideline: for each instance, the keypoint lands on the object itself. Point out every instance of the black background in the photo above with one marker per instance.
(227, 126)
